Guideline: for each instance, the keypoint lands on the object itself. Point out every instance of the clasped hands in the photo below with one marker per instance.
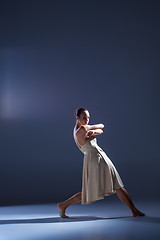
(90, 133)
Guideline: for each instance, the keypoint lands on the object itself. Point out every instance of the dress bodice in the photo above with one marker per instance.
(90, 146)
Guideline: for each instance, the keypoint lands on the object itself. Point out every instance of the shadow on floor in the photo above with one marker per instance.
(80, 218)
(144, 219)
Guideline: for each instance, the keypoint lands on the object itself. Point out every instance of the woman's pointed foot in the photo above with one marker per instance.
(62, 209)
(137, 213)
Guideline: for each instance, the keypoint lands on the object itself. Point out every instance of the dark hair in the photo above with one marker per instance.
(78, 111)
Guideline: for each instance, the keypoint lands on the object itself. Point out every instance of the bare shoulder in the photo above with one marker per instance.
(81, 130)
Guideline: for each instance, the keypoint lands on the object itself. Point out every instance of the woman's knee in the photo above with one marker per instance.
(119, 189)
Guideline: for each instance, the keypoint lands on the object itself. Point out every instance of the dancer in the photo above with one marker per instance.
(100, 177)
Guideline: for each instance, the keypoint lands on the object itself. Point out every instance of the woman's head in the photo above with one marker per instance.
(82, 116)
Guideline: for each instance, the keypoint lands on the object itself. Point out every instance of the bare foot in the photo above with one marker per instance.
(62, 209)
(138, 213)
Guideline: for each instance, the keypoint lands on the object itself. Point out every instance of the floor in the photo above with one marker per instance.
(97, 221)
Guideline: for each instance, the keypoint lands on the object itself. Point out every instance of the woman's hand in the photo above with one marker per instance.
(89, 133)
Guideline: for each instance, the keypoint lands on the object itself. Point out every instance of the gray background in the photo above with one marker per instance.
(56, 56)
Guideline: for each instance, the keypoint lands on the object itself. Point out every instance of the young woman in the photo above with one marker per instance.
(100, 177)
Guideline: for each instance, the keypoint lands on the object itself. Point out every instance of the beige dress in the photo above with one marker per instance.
(100, 177)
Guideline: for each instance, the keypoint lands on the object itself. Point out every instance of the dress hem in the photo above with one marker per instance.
(101, 196)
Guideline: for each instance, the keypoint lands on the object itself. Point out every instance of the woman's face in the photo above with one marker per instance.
(84, 118)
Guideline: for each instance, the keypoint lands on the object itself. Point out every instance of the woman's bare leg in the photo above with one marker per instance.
(124, 197)
(72, 200)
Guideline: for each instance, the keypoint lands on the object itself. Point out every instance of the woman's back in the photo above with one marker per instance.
(79, 136)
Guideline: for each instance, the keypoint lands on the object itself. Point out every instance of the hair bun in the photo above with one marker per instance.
(78, 111)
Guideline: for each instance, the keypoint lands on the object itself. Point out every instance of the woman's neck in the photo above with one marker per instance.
(77, 126)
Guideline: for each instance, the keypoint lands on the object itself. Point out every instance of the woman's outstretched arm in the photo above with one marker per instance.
(93, 127)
